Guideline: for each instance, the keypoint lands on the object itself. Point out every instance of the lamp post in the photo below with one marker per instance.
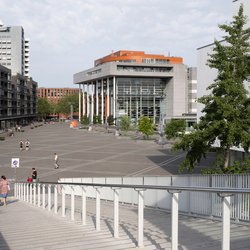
(161, 140)
(71, 112)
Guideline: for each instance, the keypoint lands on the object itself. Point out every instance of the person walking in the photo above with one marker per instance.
(27, 145)
(21, 145)
(4, 189)
(56, 159)
(34, 175)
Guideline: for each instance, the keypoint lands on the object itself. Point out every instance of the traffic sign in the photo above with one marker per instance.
(15, 162)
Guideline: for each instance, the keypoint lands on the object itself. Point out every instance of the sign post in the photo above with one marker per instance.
(15, 164)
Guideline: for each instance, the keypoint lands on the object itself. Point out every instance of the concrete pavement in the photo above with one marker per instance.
(85, 154)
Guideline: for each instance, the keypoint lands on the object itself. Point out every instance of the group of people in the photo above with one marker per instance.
(24, 145)
(4, 189)
(5, 186)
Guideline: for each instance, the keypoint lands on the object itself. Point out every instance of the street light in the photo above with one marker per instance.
(161, 140)
(71, 112)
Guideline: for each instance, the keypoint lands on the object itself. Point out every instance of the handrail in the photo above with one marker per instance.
(174, 188)
(31, 192)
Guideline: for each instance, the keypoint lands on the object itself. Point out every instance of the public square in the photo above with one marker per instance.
(85, 153)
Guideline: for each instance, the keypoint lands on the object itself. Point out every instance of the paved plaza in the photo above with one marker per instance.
(89, 154)
(84, 154)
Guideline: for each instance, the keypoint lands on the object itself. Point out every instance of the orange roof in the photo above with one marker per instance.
(136, 56)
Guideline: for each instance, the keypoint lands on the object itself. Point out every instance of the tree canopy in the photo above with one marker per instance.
(175, 128)
(125, 122)
(146, 126)
(43, 107)
(64, 104)
(226, 112)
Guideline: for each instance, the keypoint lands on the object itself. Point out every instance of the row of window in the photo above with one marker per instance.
(5, 42)
(4, 64)
(144, 69)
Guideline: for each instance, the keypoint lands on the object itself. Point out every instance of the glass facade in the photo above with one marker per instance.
(138, 97)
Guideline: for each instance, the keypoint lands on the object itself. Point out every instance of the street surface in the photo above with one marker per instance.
(85, 153)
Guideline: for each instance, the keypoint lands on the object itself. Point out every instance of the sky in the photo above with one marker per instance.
(66, 36)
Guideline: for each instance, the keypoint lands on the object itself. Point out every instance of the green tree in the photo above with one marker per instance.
(125, 122)
(43, 108)
(175, 128)
(85, 120)
(65, 102)
(110, 120)
(53, 108)
(97, 119)
(227, 108)
(146, 126)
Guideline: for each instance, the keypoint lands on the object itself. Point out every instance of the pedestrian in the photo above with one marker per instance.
(29, 180)
(21, 145)
(27, 145)
(34, 175)
(4, 189)
(56, 159)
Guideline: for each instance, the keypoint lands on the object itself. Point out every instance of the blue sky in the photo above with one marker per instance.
(66, 36)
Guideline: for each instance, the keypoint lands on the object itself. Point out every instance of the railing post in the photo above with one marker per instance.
(43, 196)
(63, 201)
(140, 216)
(34, 194)
(225, 221)
(98, 209)
(39, 194)
(18, 193)
(116, 212)
(18, 190)
(55, 198)
(174, 218)
(31, 187)
(21, 193)
(15, 190)
(49, 197)
(27, 192)
(24, 191)
(72, 203)
(83, 206)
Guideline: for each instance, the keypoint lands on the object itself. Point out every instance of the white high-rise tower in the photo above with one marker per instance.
(14, 49)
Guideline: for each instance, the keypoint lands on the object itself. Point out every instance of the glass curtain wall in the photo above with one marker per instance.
(138, 97)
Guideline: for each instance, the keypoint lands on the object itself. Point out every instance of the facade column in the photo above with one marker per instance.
(92, 102)
(102, 99)
(80, 106)
(87, 102)
(83, 100)
(108, 96)
(97, 98)
(154, 105)
(114, 98)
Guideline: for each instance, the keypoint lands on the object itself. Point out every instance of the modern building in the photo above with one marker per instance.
(53, 95)
(17, 99)
(14, 50)
(18, 91)
(135, 84)
(206, 75)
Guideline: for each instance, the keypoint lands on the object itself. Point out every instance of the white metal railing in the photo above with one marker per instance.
(31, 194)
(201, 203)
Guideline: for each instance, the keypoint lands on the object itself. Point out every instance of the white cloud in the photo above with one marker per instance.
(69, 35)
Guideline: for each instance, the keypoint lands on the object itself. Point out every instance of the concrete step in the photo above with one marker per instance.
(24, 226)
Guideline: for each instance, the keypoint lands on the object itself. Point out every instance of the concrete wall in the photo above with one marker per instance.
(205, 75)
